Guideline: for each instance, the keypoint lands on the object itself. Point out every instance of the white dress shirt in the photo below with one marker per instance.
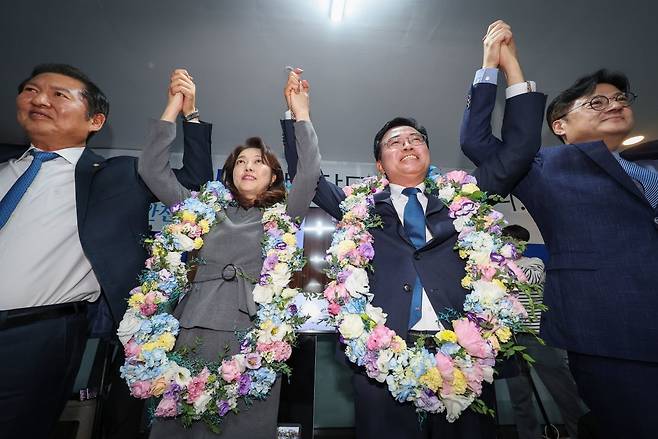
(428, 321)
(41, 257)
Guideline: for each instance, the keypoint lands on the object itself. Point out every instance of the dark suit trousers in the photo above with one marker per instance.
(378, 415)
(38, 365)
(622, 394)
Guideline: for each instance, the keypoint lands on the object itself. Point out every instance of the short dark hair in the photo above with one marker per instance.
(96, 100)
(582, 87)
(397, 122)
(273, 194)
(517, 232)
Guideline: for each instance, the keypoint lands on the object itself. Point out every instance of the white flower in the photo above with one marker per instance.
(446, 193)
(288, 293)
(376, 314)
(201, 403)
(179, 375)
(357, 283)
(173, 259)
(480, 258)
(488, 373)
(460, 222)
(351, 326)
(455, 404)
(482, 242)
(280, 275)
(185, 243)
(488, 292)
(263, 293)
(382, 364)
(129, 326)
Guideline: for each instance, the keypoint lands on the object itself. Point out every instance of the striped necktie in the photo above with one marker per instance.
(646, 176)
(16, 192)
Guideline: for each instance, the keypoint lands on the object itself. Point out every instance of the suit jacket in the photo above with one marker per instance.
(601, 235)
(112, 205)
(397, 262)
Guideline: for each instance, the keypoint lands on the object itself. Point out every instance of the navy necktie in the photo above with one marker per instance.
(414, 225)
(16, 192)
(647, 177)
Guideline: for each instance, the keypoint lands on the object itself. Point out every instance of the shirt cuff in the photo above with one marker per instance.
(520, 88)
(486, 75)
(287, 115)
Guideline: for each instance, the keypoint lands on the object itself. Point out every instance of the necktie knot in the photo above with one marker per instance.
(43, 156)
(410, 191)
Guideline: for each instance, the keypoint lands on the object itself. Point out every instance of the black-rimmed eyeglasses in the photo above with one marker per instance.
(600, 102)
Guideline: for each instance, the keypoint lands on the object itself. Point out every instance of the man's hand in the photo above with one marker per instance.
(296, 95)
(500, 51)
(181, 95)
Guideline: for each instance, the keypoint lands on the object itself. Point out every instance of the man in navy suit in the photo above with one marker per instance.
(401, 151)
(71, 226)
(596, 209)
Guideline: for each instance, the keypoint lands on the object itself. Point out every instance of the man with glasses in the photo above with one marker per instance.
(595, 206)
(417, 273)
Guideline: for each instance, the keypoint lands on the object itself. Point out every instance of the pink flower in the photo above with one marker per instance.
(347, 190)
(132, 349)
(462, 206)
(457, 176)
(488, 272)
(333, 308)
(468, 335)
(445, 365)
(230, 370)
(197, 385)
(141, 389)
(520, 275)
(282, 350)
(380, 338)
(360, 210)
(335, 291)
(149, 307)
(517, 306)
(167, 408)
(253, 360)
(474, 376)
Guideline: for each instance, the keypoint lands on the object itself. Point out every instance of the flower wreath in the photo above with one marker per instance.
(451, 379)
(187, 386)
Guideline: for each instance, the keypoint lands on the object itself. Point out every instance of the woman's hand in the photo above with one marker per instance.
(296, 93)
(181, 96)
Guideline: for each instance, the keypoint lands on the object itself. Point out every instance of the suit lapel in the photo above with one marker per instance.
(434, 206)
(87, 166)
(598, 152)
(384, 205)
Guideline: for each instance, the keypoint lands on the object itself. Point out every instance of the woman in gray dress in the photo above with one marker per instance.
(220, 303)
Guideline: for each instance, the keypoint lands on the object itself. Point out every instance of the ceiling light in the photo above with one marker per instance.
(337, 10)
(632, 140)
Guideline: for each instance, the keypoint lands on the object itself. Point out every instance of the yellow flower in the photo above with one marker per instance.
(136, 300)
(447, 335)
(469, 188)
(198, 243)
(500, 284)
(289, 238)
(345, 246)
(467, 280)
(503, 333)
(458, 382)
(432, 379)
(398, 344)
(166, 341)
(158, 386)
(188, 216)
(149, 346)
(205, 227)
(463, 254)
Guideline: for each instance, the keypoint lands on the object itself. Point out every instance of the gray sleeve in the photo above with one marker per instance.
(154, 167)
(308, 170)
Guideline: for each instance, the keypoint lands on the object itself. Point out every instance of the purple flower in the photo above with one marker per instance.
(497, 257)
(172, 392)
(244, 384)
(223, 407)
(292, 309)
(342, 276)
(280, 245)
(366, 250)
(270, 262)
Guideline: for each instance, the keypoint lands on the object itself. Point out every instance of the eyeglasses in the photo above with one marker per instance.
(398, 142)
(600, 102)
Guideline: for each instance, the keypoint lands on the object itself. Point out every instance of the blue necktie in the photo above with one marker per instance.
(16, 192)
(414, 225)
(647, 177)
